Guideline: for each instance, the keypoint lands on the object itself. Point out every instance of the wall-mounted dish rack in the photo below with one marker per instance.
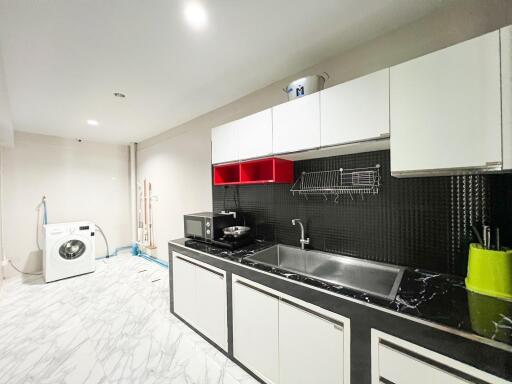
(355, 181)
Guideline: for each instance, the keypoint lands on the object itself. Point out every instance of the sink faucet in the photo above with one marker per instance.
(302, 240)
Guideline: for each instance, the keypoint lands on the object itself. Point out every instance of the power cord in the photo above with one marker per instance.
(104, 238)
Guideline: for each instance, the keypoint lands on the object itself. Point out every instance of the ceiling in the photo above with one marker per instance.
(63, 59)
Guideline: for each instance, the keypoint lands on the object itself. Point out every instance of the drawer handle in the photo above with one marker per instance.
(200, 266)
(492, 163)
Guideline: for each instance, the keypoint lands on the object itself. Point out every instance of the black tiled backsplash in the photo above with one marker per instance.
(418, 222)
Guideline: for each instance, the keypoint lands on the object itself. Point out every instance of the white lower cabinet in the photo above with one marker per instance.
(255, 331)
(285, 342)
(199, 293)
(310, 347)
(184, 289)
(400, 362)
(211, 302)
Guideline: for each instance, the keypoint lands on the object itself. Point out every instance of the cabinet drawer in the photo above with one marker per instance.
(400, 368)
(397, 361)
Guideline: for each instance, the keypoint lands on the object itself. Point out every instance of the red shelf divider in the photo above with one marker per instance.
(226, 174)
(261, 171)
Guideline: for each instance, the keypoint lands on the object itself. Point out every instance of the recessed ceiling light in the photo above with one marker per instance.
(119, 94)
(92, 122)
(195, 14)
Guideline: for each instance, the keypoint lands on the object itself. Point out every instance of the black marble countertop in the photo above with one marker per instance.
(438, 298)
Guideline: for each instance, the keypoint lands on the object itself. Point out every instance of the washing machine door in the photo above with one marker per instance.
(72, 249)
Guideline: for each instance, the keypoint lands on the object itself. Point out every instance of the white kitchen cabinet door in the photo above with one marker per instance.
(506, 97)
(310, 347)
(211, 304)
(184, 289)
(357, 110)
(445, 109)
(255, 135)
(255, 331)
(297, 124)
(225, 143)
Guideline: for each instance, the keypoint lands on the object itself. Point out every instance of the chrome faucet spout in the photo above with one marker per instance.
(303, 241)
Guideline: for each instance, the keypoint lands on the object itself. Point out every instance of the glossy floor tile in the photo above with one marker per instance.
(111, 326)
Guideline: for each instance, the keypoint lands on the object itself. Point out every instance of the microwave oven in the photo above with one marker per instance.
(206, 226)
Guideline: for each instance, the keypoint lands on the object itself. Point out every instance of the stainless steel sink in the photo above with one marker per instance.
(371, 277)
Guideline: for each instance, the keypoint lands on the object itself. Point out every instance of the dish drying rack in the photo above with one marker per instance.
(355, 181)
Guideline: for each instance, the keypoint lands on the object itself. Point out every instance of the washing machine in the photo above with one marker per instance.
(69, 250)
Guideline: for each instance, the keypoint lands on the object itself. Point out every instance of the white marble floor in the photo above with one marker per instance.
(111, 326)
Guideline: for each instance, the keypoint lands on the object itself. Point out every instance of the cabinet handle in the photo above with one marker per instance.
(384, 135)
(337, 324)
(257, 289)
(200, 266)
(492, 163)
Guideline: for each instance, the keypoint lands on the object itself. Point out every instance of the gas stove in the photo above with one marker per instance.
(228, 242)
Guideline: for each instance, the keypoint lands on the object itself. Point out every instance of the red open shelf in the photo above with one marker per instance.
(226, 174)
(269, 170)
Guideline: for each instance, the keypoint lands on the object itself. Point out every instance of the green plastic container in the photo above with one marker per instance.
(490, 272)
(486, 313)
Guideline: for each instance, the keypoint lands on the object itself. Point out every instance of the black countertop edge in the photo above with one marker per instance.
(437, 300)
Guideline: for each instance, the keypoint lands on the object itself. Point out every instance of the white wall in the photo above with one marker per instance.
(82, 181)
(180, 173)
(6, 128)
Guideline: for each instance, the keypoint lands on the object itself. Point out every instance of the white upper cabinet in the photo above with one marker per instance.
(242, 139)
(255, 135)
(506, 97)
(357, 110)
(225, 143)
(297, 124)
(446, 110)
